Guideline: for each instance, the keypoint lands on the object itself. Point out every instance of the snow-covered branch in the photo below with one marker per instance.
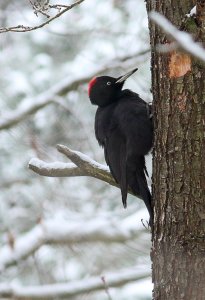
(57, 232)
(74, 288)
(31, 106)
(82, 166)
(182, 39)
(55, 169)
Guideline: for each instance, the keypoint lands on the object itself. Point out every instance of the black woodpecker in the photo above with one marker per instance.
(123, 127)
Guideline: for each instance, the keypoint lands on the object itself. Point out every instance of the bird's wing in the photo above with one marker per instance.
(115, 156)
(110, 138)
(103, 118)
(135, 124)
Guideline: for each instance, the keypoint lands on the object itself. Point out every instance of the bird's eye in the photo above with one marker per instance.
(108, 83)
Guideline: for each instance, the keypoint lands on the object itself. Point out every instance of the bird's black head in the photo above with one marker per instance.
(104, 90)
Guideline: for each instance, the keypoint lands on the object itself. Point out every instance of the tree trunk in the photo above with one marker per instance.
(178, 250)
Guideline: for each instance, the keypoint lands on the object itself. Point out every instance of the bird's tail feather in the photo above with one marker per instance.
(124, 183)
(124, 197)
(145, 193)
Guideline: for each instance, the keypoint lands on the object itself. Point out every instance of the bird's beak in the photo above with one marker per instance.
(124, 77)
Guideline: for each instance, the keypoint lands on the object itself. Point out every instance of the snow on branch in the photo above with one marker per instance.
(44, 11)
(72, 289)
(55, 169)
(183, 39)
(69, 232)
(30, 106)
(82, 166)
(192, 12)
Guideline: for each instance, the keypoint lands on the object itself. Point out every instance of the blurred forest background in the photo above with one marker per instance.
(89, 37)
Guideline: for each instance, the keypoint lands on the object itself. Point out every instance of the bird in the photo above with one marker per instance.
(124, 128)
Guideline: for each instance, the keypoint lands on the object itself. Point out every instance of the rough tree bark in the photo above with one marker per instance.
(178, 252)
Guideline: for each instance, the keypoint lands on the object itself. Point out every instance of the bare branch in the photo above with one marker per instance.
(72, 289)
(55, 232)
(31, 106)
(24, 28)
(183, 39)
(40, 7)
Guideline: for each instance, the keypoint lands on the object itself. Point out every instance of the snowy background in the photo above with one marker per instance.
(63, 220)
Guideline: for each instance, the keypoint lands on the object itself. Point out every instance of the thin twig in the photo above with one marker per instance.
(106, 287)
(24, 28)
